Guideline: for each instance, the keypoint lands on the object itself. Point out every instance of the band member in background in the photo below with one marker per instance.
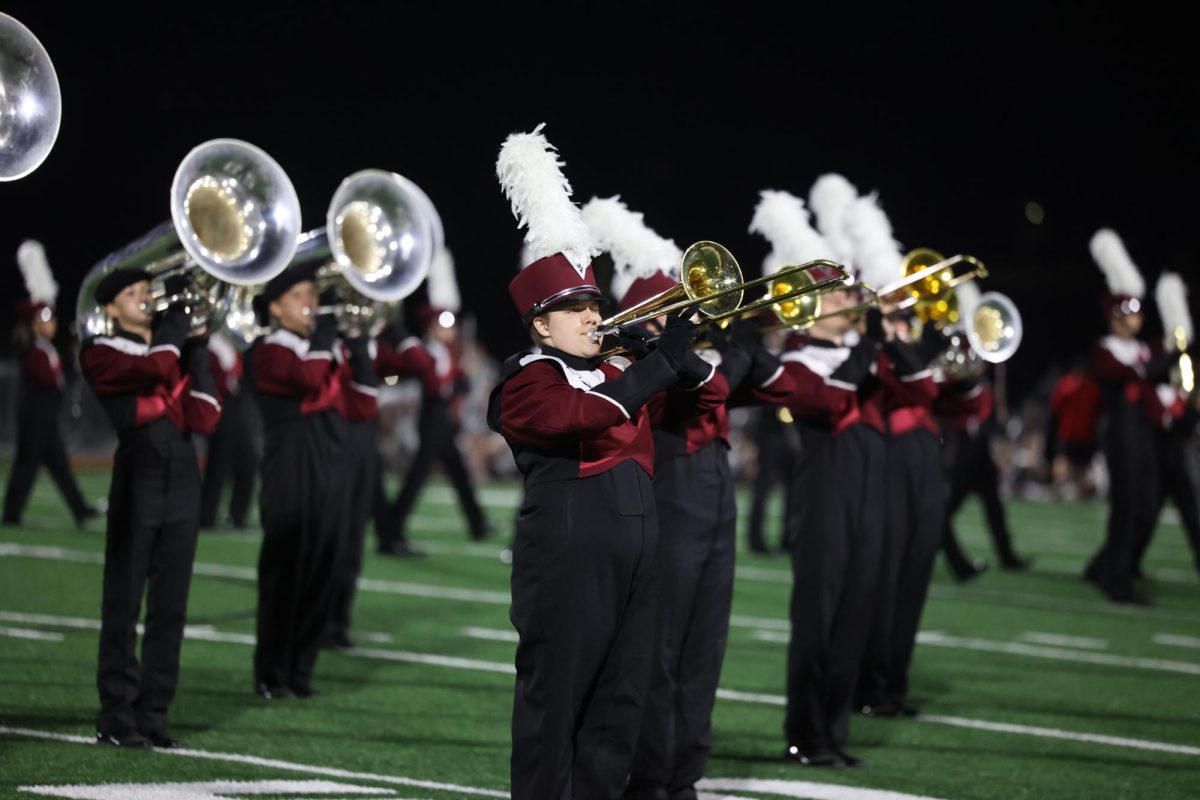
(400, 355)
(158, 390)
(358, 404)
(966, 409)
(39, 441)
(1121, 364)
(442, 389)
(233, 448)
(693, 490)
(583, 557)
(1176, 416)
(1074, 412)
(305, 492)
(777, 446)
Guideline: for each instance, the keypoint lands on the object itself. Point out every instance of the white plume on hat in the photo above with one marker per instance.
(1120, 272)
(443, 285)
(830, 199)
(39, 280)
(782, 220)
(530, 175)
(636, 250)
(876, 254)
(1171, 293)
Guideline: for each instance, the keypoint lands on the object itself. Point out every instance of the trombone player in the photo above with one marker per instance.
(158, 390)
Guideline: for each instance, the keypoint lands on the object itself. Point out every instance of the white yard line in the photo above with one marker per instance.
(491, 634)
(272, 763)
(1172, 640)
(26, 633)
(809, 790)
(725, 694)
(1059, 640)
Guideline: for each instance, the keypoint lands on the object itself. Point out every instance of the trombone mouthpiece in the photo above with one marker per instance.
(599, 333)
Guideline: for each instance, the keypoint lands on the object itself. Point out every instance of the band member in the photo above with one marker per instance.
(39, 441)
(1121, 364)
(400, 355)
(1175, 416)
(836, 526)
(233, 448)
(443, 387)
(358, 403)
(158, 391)
(693, 490)
(583, 557)
(966, 409)
(304, 493)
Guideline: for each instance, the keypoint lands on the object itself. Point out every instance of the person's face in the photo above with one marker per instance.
(834, 327)
(1128, 326)
(567, 327)
(445, 335)
(46, 328)
(296, 309)
(131, 307)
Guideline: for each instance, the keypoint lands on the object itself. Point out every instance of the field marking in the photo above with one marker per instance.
(771, 700)
(272, 763)
(198, 790)
(810, 790)
(1177, 641)
(491, 634)
(27, 633)
(1059, 640)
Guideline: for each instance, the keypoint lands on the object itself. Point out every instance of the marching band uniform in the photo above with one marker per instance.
(304, 495)
(157, 395)
(231, 449)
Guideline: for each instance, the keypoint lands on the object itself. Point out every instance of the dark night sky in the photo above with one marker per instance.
(957, 118)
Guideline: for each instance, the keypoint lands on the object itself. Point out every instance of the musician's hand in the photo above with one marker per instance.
(876, 327)
(177, 284)
(677, 337)
(634, 339)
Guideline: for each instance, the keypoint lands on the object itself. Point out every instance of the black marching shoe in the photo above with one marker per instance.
(400, 549)
(1015, 563)
(969, 570)
(125, 739)
(814, 757)
(161, 740)
(884, 709)
(268, 692)
(853, 762)
(304, 691)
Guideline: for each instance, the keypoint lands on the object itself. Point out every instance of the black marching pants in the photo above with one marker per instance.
(1133, 497)
(914, 525)
(697, 526)
(438, 432)
(971, 469)
(233, 450)
(362, 471)
(1175, 482)
(836, 549)
(583, 604)
(39, 443)
(154, 503)
(303, 509)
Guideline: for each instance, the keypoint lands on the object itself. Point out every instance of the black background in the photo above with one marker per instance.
(956, 115)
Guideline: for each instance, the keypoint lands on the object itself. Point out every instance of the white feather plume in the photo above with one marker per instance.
(636, 250)
(876, 254)
(782, 220)
(967, 293)
(443, 285)
(1120, 272)
(530, 175)
(1171, 293)
(35, 268)
(830, 199)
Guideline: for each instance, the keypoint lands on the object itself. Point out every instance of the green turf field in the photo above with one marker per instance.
(1032, 686)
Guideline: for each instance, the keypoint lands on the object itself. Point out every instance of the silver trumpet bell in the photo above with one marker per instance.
(30, 101)
(989, 332)
(235, 218)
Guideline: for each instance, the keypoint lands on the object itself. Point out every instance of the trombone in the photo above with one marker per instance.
(234, 220)
(30, 101)
(712, 281)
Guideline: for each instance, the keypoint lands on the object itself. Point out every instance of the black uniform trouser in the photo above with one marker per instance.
(154, 502)
(1176, 483)
(1132, 502)
(438, 432)
(302, 505)
(914, 525)
(39, 443)
(362, 470)
(697, 528)
(837, 542)
(232, 450)
(583, 604)
(972, 470)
